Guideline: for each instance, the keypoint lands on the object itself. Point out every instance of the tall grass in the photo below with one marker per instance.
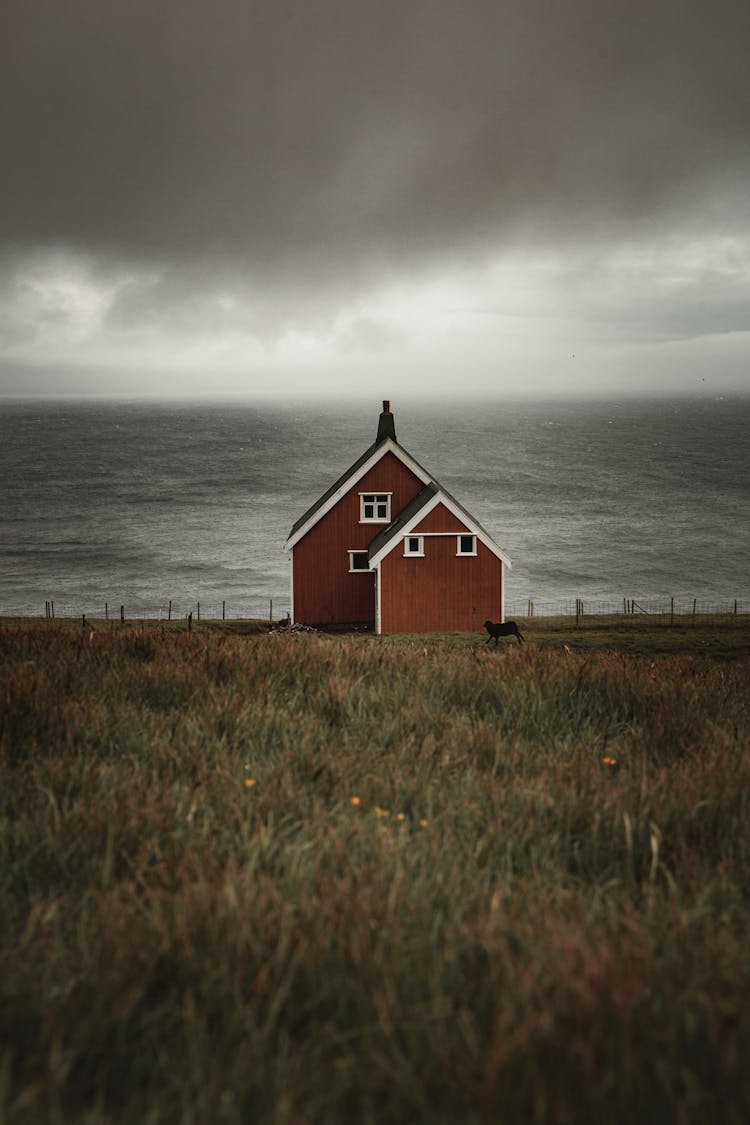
(300, 878)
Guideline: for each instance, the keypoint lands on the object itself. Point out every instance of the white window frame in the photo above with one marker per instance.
(419, 552)
(358, 569)
(378, 501)
(459, 547)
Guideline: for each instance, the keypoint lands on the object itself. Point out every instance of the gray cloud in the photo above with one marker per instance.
(341, 139)
(281, 194)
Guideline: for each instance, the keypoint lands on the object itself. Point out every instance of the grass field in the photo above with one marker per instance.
(302, 878)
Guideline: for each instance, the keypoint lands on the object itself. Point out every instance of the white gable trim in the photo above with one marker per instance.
(387, 446)
(409, 528)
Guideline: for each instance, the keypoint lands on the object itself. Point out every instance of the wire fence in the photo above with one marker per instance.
(278, 609)
(270, 609)
(683, 609)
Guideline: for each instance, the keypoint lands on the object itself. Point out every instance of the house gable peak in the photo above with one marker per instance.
(413, 514)
(431, 494)
(361, 466)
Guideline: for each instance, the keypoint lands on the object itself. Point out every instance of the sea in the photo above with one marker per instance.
(141, 503)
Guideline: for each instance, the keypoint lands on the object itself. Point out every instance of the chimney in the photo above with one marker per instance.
(386, 425)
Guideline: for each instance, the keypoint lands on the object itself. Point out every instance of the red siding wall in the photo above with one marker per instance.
(324, 590)
(442, 592)
(440, 519)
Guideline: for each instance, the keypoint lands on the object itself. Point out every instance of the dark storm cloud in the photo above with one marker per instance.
(329, 135)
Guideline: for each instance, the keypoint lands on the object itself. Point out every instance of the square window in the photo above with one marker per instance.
(374, 507)
(467, 545)
(358, 561)
(414, 545)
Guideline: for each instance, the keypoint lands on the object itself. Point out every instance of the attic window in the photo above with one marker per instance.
(358, 561)
(467, 545)
(375, 507)
(414, 545)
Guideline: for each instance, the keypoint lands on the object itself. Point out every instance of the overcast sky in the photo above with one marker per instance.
(378, 196)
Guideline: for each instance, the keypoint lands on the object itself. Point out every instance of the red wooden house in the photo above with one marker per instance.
(387, 546)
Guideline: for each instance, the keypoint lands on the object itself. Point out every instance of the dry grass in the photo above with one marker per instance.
(331, 879)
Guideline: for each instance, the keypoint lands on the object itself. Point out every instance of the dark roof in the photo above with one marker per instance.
(412, 509)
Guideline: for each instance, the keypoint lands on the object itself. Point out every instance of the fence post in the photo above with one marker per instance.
(735, 607)
(190, 621)
(223, 611)
(199, 611)
(169, 611)
(671, 611)
(122, 614)
(270, 611)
